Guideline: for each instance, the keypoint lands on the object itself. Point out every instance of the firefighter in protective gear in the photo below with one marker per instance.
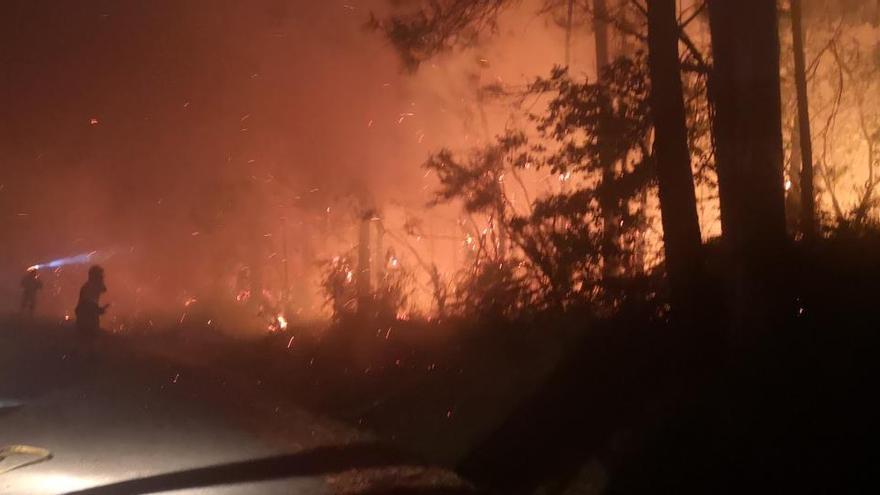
(30, 285)
(88, 309)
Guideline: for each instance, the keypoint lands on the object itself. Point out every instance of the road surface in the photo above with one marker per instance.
(110, 414)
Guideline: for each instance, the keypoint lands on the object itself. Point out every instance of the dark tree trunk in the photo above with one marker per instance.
(364, 271)
(744, 88)
(379, 260)
(678, 204)
(607, 202)
(569, 20)
(793, 194)
(600, 27)
(808, 208)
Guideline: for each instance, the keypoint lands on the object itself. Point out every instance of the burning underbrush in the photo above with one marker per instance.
(622, 392)
(434, 388)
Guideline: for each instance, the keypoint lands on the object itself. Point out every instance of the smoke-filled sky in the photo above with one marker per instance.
(184, 139)
(166, 132)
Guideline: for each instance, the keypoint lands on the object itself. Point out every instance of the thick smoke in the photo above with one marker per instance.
(186, 140)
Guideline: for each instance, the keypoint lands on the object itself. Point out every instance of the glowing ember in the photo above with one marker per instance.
(282, 323)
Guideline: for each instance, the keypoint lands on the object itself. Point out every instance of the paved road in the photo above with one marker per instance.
(108, 416)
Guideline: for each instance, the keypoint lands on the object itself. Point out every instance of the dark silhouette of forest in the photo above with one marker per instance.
(741, 363)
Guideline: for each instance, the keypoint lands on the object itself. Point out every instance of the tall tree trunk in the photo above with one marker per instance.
(808, 207)
(285, 266)
(793, 194)
(379, 261)
(257, 256)
(748, 137)
(569, 21)
(678, 204)
(305, 273)
(364, 290)
(607, 201)
(600, 28)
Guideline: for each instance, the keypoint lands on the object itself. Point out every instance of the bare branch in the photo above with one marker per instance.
(700, 8)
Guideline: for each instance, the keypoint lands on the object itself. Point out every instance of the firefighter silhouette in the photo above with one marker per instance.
(30, 285)
(88, 309)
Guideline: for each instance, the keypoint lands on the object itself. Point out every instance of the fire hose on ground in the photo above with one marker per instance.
(31, 455)
(21, 455)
